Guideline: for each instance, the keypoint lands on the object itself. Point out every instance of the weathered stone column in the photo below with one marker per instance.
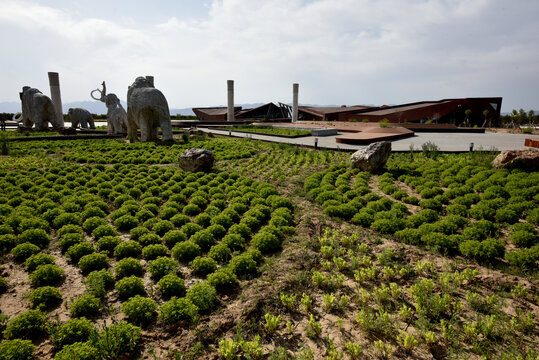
(295, 90)
(54, 83)
(230, 90)
(150, 79)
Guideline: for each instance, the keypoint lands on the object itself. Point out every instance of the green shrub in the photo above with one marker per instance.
(525, 259)
(190, 228)
(129, 287)
(173, 237)
(67, 218)
(74, 330)
(482, 210)
(144, 215)
(179, 220)
(240, 229)
(171, 285)
(162, 266)
(103, 230)
(23, 251)
(223, 280)
(45, 297)
(79, 351)
(203, 219)
(140, 310)
(119, 338)
(70, 229)
(27, 325)
(168, 212)
(176, 310)
(127, 267)
(203, 295)
(439, 242)
(409, 236)
(162, 227)
(127, 248)
(126, 222)
(17, 349)
(38, 259)
(203, 266)
(266, 242)
(47, 274)
(533, 216)
(7, 243)
(108, 244)
(149, 239)
(388, 226)
(234, 241)
(137, 232)
(191, 210)
(486, 250)
(93, 212)
(70, 239)
(98, 282)
(432, 204)
(87, 306)
(185, 251)
(92, 223)
(523, 239)
(77, 251)
(151, 252)
(506, 215)
(37, 237)
(220, 253)
(217, 231)
(243, 265)
(93, 262)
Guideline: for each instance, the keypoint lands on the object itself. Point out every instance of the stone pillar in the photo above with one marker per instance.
(230, 91)
(150, 79)
(295, 90)
(54, 83)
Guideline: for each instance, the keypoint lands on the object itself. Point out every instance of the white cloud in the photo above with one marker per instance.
(340, 51)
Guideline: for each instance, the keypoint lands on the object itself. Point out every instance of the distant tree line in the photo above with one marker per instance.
(518, 118)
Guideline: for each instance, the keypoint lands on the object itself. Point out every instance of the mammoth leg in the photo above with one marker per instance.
(145, 129)
(91, 122)
(110, 127)
(132, 130)
(166, 128)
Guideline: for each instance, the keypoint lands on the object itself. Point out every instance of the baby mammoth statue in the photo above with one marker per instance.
(82, 117)
(148, 109)
(116, 115)
(38, 110)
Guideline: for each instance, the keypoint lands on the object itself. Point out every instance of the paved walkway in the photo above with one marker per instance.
(447, 142)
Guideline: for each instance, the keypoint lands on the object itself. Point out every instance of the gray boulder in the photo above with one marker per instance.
(373, 157)
(195, 160)
(526, 159)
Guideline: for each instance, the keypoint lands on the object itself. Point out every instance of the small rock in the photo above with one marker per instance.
(373, 157)
(526, 159)
(195, 160)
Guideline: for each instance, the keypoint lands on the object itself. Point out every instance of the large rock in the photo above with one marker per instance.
(526, 159)
(373, 157)
(195, 160)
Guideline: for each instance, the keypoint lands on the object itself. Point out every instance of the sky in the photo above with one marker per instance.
(341, 52)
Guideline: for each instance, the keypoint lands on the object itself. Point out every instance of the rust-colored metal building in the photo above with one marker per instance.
(213, 113)
(447, 111)
(268, 111)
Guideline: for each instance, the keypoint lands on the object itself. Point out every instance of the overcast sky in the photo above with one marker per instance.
(339, 51)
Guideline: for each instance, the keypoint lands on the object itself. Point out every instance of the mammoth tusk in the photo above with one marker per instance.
(17, 117)
(100, 94)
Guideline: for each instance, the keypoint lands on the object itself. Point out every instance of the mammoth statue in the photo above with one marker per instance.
(82, 117)
(148, 109)
(38, 110)
(116, 115)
